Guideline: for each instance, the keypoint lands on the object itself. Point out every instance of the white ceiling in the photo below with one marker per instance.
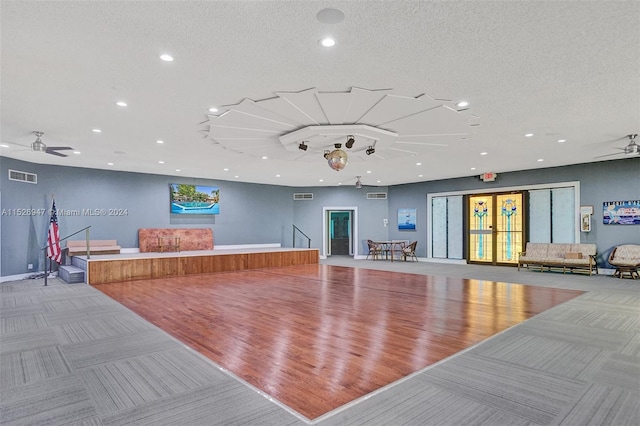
(559, 70)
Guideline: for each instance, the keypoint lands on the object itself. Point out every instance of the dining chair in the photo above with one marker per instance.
(375, 250)
(410, 251)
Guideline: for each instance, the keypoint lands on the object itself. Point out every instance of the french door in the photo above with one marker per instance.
(495, 228)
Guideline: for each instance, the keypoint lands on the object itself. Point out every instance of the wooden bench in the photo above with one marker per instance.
(174, 239)
(79, 247)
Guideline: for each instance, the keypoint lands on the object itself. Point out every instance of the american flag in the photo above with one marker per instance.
(53, 237)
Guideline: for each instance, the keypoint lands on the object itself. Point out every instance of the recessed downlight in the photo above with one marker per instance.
(528, 135)
(121, 104)
(264, 157)
(327, 42)
(418, 164)
(77, 152)
(473, 168)
(166, 57)
(540, 160)
(277, 175)
(462, 104)
(562, 140)
(159, 142)
(178, 170)
(160, 162)
(109, 164)
(225, 169)
(483, 153)
(4, 145)
(213, 109)
(96, 130)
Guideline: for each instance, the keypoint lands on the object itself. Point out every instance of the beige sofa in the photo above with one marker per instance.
(626, 259)
(557, 255)
(79, 247)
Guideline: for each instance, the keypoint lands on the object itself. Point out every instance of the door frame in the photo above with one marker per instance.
(551, 185)
(353, 235)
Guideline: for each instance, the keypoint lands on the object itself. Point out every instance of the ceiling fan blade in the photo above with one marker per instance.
(56, 153)
(57, 148)
(608, 155)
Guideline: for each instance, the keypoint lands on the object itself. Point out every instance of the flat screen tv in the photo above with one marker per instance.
(194, 199)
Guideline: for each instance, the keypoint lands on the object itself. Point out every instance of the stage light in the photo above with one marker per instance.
(302, 146)
(370, 150)
(350, 141)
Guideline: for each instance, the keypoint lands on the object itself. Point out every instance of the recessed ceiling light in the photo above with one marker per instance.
(159, 141)
(167, 58)
(4, 146)
(321, 180)
(277, 175)
(264, 157)
(483, 153)
(462, 104)
(236, 176)
(76, 152)
(213, 109)
(161, 162)
(121, 104)
(418, 164)
(473, 168)
(177, 170)
(96, 130)
(419, 176)
(328, 42)
(225, 169)
(528, 135)
(109, 164)
(540, 159)
(378, 181)
(562, 140)
(368, 171)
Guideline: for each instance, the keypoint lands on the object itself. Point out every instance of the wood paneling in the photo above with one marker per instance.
(316, 337)
(144, 268)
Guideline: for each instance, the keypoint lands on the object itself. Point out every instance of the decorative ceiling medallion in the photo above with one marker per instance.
(382, 124)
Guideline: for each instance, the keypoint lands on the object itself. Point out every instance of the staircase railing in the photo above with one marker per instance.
(295, 228)
(46, 273)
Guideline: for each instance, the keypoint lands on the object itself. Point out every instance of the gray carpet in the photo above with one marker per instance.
(71, 355)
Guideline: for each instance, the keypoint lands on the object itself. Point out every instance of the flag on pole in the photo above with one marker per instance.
(53, 237)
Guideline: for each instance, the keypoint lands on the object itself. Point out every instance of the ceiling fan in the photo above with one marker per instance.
(630, 149)
(39, 146)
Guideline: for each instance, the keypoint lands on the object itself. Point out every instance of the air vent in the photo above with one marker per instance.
(376, 195)
(303, 196)
(23, 176)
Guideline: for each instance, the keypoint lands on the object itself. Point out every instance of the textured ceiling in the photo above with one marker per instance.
(559, 70)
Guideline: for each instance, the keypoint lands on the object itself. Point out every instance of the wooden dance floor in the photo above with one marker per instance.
(316, 337)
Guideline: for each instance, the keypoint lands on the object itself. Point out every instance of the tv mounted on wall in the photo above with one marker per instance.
(194, 199)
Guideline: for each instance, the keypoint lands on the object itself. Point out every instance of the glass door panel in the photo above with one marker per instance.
(509, 227)
(481, 214)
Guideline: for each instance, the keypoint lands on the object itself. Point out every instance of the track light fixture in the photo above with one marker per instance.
(302, 146)
(350, 141)
(370, 150)
(358, 183)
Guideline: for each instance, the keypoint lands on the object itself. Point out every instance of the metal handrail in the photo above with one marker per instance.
(294, 236)
(46, 273)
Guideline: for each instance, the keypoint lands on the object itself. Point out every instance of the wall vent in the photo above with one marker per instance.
(23, 176)
(303, 196)
(376, 195)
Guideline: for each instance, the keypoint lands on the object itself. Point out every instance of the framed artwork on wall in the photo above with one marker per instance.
(406, 219)
(194, 199)
(621, 212)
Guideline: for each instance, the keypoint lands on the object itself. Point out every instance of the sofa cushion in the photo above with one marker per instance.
(557, 251)
(536, 251)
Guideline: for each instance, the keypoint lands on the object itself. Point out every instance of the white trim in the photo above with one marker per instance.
(247, 246)
(575, 184)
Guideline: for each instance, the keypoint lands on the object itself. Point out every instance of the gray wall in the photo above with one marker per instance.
(615, 180)
(254, 214)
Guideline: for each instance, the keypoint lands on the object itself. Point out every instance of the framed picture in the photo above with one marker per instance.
(194, 199)
(406, 219)
(585, 222)
(621, 212)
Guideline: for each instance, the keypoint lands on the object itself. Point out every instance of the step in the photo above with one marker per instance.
(71, 274)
